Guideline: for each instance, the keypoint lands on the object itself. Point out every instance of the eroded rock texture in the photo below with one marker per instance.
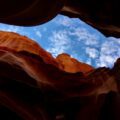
(101, 14)
(36, 86)
(71, 65)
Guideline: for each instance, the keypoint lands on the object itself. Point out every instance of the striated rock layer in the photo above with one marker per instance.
(36, 86)
(71, 65)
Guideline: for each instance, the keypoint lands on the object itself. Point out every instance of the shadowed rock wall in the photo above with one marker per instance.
(101, 14)
(36, 86)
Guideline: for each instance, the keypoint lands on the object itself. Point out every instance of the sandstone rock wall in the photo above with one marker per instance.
(34, 86)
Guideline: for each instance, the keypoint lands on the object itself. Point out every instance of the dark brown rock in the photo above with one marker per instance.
(29, 12)
(33, 86)
(101, 14)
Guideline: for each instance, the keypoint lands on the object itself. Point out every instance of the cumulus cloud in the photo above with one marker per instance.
(92, 52)
(74, 39)
(67, 22)
(106, 61)
(106, 55)
(38, 33)
(73, 36)
(89, 61)
(110, 51)
(102, 52)
(84, 35)
(59, 42)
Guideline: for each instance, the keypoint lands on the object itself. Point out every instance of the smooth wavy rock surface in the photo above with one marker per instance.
(36, 86)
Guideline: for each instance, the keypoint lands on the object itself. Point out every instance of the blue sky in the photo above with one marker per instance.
(72, 36)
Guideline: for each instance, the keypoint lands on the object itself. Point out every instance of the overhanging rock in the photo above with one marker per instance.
(101, 14)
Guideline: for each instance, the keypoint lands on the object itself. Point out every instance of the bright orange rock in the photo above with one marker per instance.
(71, 65)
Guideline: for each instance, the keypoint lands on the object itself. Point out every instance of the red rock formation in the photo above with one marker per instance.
(34, 86)
(71, 65)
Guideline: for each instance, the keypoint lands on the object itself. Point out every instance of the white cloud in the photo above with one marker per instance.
(84, 35)
(89, 61)
(92, 52)
(71, 31)
(110, 51)
(106, 61)
(65, 21)
(38, 33)
(68, 22)
(79, 29)
(59, 42)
